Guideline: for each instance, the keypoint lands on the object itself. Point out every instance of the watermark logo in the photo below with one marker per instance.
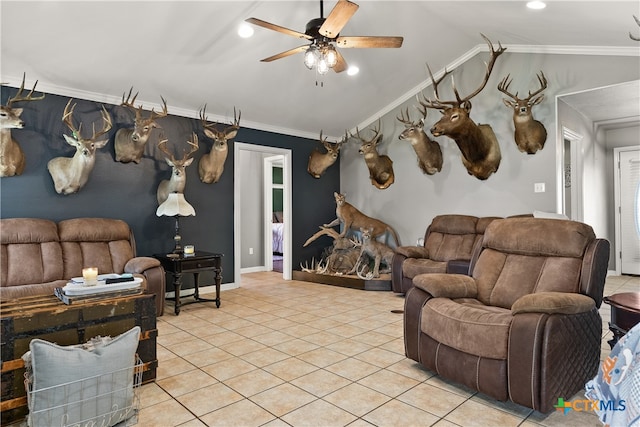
(581, 405)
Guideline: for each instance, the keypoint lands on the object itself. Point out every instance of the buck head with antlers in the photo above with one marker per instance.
(70, 174)
(211, 165)
(380, 166)
(530, 135)
(130, 142)
(11, 155)
(320, 162)
(478, 144)
(178, 179)
(428, 151)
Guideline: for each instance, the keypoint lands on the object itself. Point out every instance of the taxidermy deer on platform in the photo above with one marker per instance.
(320, 162)
(428, 151)
(11, 155)
(130, 142)
(530, 135)
(352, 218)
(70, 174)
(478, 144)
(178, 179)
(380, 166)
(211, 165)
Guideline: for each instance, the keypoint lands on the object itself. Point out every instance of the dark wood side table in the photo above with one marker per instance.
(625, 314)
(178, 264)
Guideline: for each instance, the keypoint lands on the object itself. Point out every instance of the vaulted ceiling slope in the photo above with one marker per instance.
(189, 52)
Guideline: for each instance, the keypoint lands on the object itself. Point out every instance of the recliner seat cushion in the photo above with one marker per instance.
(459, 323)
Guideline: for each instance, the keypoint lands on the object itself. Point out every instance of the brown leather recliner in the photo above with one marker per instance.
(448, 243)
(524, 326)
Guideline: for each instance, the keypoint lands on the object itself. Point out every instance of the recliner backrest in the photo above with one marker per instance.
(451, 237)
(96, 242)
(519, 256)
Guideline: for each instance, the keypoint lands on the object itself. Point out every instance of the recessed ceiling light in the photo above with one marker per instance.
(353, 70)
(536, 4)
(245, 30)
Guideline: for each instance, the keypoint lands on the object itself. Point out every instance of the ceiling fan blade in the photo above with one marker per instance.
(338, 18)
(278, 28)
(286, 53)
(368, 42)
(341, 64)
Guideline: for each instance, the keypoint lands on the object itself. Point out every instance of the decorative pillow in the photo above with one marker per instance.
(90, 386)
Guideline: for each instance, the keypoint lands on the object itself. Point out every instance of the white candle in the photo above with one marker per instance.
(189, 250)
(90, 276)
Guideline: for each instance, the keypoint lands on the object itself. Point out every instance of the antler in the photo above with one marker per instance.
(193, 142)
(212, 126)
(18, 97)
(67, 118)
(164, 112)
(439, 104)
(376, 131)
(406, 118)
(504, 87)
(130, 102)
(324, 231)
(162, 146)
(631, 35)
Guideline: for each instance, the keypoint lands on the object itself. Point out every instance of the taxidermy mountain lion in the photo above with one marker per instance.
(352, 218)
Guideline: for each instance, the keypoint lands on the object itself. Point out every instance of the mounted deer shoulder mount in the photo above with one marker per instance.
(428, 151)
(352, 219)
(130, 142)
(12, 159)
(530, 135)
(211, 165)
(478, 143)
(380, 166)
(70, 174)
(320, 162)
(178, 179)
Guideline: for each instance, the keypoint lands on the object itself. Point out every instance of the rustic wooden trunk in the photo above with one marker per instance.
(47, 318)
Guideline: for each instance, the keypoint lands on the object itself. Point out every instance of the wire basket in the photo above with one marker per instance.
(96, 401)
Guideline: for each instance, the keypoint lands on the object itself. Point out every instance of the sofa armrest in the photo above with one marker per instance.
(413, 251)
(458, 266)
(442, 285)
(553, 303)
(140, 264)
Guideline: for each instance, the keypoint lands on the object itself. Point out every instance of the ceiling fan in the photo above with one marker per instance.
(322, 33)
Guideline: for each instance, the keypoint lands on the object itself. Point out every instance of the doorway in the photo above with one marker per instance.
(627, 202)
(241, 149)
(572, 174)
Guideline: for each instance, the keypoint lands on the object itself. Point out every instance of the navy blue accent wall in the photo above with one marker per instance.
(128, 191)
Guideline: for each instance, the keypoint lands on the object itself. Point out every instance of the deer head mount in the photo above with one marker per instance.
(478, 144)
(319, 162)
(380, 166)
(130, 142)
(11, 155)
(211, 165)
(530, 135)
(428, 151)
(178, 179)
(631, 35)
(70, 174)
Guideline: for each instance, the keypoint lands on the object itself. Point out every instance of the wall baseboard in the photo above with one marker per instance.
(256, 269)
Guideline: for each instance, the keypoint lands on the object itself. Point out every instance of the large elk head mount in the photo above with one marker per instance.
(428, 151)
(211, 165)
(178, 179)
(530, 135)
(70, 174)
(380, 166)
(11, 155)
(319, 162)
(478, 144)
(130, 142)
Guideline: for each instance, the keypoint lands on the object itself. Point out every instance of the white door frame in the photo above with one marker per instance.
(286, 206)
(268, 186)
(617, 200)
(577, 159)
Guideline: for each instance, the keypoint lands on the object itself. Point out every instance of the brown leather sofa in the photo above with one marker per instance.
(38, 255)
(448, 243)
(524, 326)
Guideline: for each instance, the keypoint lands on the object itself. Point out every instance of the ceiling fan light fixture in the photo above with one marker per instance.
(310, 57)
(331, 56)
(323, 66)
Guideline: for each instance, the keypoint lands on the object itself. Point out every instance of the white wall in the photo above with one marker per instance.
(252, 211)
(414, 199)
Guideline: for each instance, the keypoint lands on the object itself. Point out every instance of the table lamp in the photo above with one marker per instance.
(176, 206)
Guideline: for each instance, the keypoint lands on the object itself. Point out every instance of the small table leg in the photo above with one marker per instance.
(218, 280)
(177, 284)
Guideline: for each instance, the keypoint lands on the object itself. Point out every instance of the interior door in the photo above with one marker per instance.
(629, 170)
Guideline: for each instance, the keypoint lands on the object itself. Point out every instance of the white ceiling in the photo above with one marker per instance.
(190, 53)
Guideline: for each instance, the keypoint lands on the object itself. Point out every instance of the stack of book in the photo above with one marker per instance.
(109, 286)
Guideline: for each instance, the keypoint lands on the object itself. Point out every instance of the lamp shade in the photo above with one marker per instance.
(175, 205)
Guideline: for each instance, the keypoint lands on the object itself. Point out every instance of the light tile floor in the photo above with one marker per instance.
(290, 353)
